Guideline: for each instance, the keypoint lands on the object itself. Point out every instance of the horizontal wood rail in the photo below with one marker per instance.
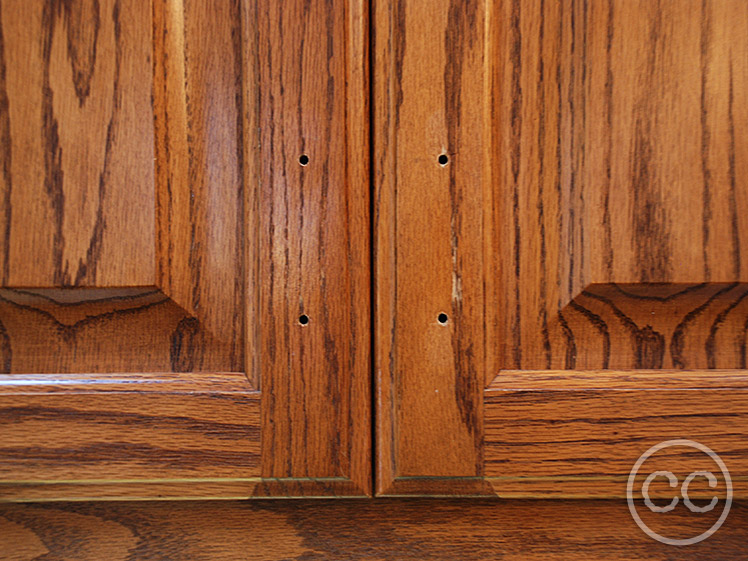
(142, 435)
(578, 434)
(139, 437)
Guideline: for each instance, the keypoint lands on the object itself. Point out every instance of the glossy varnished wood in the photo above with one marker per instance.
(597, 186)
(128, 435)
(313, 232)
(619, 231)
(211, 106)
(353, 530)
(77, 144)
(139, 436)
(159, 284)
(201, 196)
(556, 433)
(620, 174)
(141, 121)
(430, 79)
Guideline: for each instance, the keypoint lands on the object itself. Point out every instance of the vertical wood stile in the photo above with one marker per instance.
(432, 125)
(313, 244)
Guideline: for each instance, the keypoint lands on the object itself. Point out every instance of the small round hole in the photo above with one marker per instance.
(303, 319)
(442, 318)
(443, 159)
(303, 159)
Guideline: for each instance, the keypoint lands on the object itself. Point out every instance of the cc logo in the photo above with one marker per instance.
(683, 494)
(683, 491)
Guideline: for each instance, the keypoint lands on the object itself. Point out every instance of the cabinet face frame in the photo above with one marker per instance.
(589, 319)
(232, 100)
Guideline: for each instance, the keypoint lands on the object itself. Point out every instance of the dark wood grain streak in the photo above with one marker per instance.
(653, 251)
(352, 530)
(705, 38)
(50, 143)
(6, 351)
(733, 201)
(541, 210)
(5, 164)
(515, 155)
(463, 33)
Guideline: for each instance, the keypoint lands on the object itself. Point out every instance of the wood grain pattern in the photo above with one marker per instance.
(621, 184)
(77, 149)
(590, 216)
(201, 196)
(241, 240)
(579, 434)
(353, 530)
(105, 330)
(314, 238)
(122, 435)
(174, 214)
(614, 487)
(430, 76)
(178, 489)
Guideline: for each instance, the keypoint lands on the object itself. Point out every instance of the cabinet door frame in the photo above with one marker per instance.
(524, 99)
(235, 100)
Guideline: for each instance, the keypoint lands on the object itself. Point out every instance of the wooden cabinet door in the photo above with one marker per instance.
(184, 262)
(561, 220)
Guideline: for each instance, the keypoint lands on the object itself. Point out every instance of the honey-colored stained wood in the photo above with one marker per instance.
(621, 217)
(139, 436)
(355, 530)
(172, 215)
(77, 180)
(127, 436)
(556, 433)
(621, 184)
(201, 196)
(242, 240)
(104, 330)
(314, 238)
(430, 180)
(598, 224)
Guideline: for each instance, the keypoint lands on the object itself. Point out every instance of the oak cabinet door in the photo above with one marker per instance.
(561, 220)
(184, 253)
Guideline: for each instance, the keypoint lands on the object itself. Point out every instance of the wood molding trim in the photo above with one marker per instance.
(67, 436)
(578, 434)
(355, 530)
